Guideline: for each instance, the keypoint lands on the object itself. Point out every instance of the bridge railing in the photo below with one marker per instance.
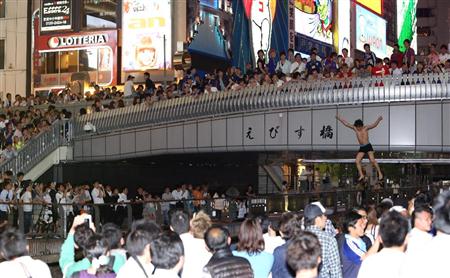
(39, 147)
(293, 94)
(40, 219)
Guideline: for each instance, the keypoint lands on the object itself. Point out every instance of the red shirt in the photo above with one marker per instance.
(397, 57)
(380, 71)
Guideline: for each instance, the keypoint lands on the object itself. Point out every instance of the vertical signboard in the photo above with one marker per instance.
(370, 29)
(56, 15)
(344, 24)
(291, 23)
(145, 24)
(261, 14)
(407, 22)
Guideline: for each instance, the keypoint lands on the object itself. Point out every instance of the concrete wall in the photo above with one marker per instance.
(407, 126)
(13, 29)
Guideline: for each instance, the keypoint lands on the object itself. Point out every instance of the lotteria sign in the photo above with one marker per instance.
(55, 42)
(83, 40)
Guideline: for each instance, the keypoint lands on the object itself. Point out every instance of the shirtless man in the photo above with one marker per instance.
(362, 134)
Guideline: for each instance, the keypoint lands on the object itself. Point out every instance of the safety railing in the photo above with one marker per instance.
(293, 94)
(41, 219)
(73, 106)
(39, 147)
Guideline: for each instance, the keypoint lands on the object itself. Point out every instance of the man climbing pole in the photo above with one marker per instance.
(362, 134)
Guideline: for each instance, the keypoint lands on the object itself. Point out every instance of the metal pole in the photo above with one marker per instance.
(165, 69)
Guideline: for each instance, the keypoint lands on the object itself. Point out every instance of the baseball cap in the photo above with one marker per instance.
(316, 209)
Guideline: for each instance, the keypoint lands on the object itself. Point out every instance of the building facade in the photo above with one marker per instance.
(14, 43)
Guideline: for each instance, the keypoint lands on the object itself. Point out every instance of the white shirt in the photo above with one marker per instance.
(196, 256)
(434, 261)
(27, 198)
(348, 61)
(18, 268)
(417, 241)
(296, 67)
(386, 263)
(397, 72)
(284, 68)
(132, 269)
(164, 273)
(128, 88)
(95, 196)
(122, 199)
(272, 242)
(444, 57)
(177, 195)
(4, 198)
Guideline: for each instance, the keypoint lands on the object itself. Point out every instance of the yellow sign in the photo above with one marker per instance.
(373, 5)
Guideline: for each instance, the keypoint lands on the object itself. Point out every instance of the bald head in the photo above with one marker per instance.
(217, 238)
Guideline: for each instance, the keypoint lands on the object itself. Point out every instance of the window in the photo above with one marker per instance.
(69, 61)
(424, 12)
(100, 14)
(424, 31)
(50, 62)
(2, 8)
(2, 54)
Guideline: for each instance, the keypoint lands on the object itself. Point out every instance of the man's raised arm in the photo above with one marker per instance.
(375, 124)
(344, 122)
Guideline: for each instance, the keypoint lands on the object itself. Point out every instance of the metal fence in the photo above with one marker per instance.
(54, 220)
(39, 147)
(299, 94)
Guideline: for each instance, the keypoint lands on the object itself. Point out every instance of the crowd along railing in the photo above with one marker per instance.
(41, 219)
(59, 133)
(293, 94)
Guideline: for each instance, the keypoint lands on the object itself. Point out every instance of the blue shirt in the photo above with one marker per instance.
(352, 251)
(280, 268)
(261, 262)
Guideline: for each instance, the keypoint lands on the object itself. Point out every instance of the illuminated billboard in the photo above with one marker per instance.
(314, 18)
(261, 14)
(375, 6)
(407, 22)
(343, 24)
(144, 25)
(370, 29)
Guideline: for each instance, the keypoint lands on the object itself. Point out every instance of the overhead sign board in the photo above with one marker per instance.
(56, 15)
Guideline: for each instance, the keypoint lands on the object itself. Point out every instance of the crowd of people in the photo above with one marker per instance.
(17, 127)
(273, 68)
(281, 68)
(386, 240)
(47, 207)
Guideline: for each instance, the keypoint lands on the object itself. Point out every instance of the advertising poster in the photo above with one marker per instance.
(407, 22)
(261, 14)
(56, 15)
(314, 18)
(144, 23)
(344, 24)
(375, 6)
(370, 29)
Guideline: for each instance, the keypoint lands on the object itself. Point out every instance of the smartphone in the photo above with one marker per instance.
(88, 220)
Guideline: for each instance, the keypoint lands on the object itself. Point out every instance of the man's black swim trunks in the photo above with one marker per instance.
(365, 148)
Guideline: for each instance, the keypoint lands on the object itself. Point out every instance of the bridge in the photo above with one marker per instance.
(299, 117)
